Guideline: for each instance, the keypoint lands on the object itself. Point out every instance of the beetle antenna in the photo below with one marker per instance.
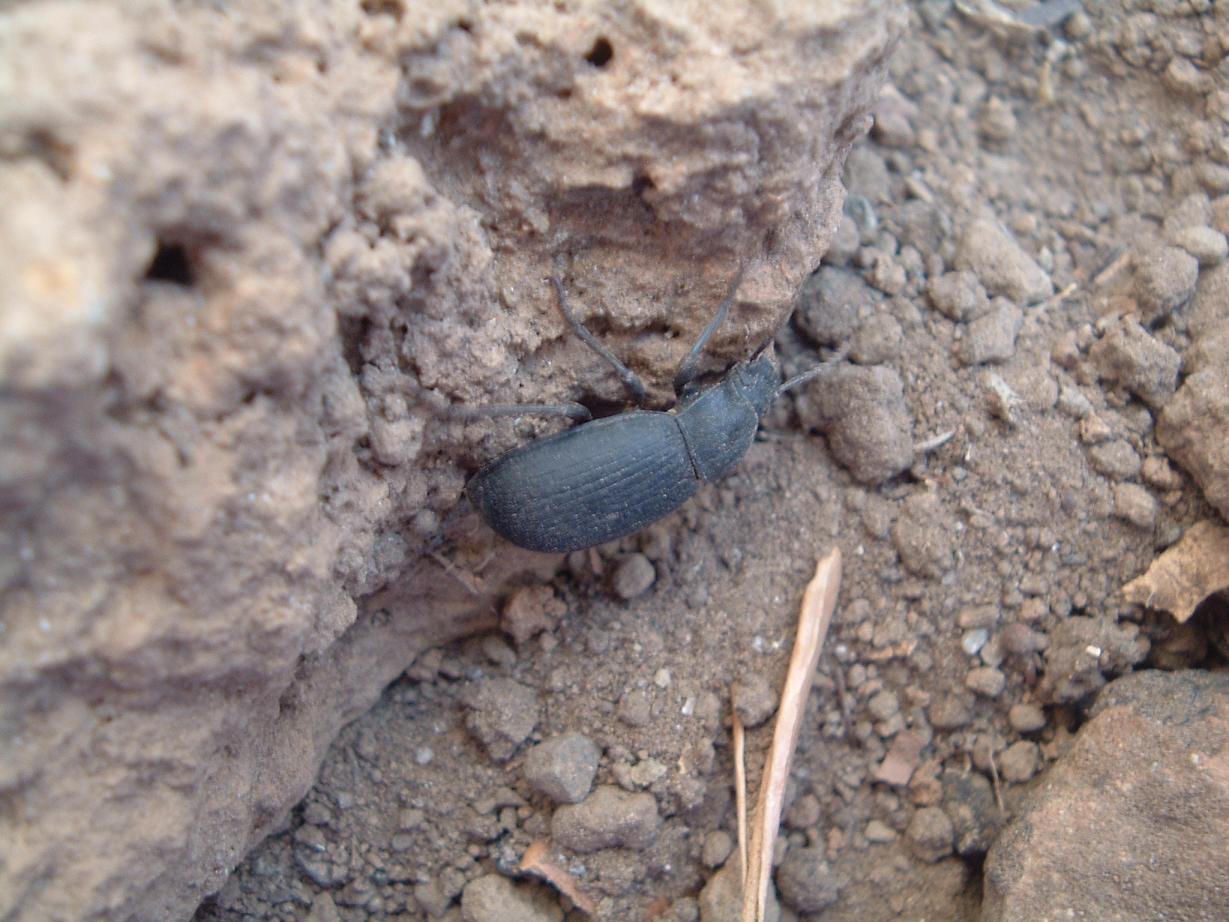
(574, 411)
(691, 364)
(813, 372)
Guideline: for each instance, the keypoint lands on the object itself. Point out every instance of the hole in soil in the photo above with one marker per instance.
(171, 264)
(393, 8)
(601, 54)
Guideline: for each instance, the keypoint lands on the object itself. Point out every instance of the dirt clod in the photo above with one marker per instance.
(502, 715)
(992, 336)
(633, 576)
(930, 834)
(607, 818)
(754, 699)
(806, 881)
(1104, 805)
(862, 412)
(494, 898)
(1002, 267)
(1164, 280)
(1026, 718)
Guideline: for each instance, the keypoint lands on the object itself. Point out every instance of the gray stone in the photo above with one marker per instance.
(563, 767)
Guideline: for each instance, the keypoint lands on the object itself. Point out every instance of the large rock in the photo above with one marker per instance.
(1133, 822)
(240, 253)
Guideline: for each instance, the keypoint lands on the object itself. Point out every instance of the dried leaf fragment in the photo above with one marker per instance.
(537, 861)
(1186, 574)
(818, 603)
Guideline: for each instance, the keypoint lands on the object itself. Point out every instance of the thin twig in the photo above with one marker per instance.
(998, 788)
(740, 787)
(818, 603)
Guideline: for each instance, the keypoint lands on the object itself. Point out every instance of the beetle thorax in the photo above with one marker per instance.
(756, 382)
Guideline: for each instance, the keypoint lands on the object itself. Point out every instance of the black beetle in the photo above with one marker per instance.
(610, 477)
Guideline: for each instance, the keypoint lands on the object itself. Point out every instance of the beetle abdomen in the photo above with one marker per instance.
(587, 485)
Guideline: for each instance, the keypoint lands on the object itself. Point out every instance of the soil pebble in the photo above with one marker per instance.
(862, 410)
(930, 833)
(806, 881)
(1020, 761)
(1115, 459)
(958, 296)
(562, 767)
(1207, 245)
(997, 121)
(950, 712)
(924, 550)
(1135, 504)
(633, 577)
(986, 682)
(721, 900)
(607, 818)
(969, 803)
(1164, 280)
(1129, 356)
(529, 611)
(1003, 268)
(1019, 639)
(1192, 430)
(845, 243)
(502, 715)
(635, 708)
(494, 898)
(716, 849)
(754, 699)
(1026, 718)
(992, 336)
(877, 340)
(831, 304)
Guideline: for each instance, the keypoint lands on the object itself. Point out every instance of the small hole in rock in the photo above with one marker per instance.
(642, 183)
(170, 264)
(601, 54)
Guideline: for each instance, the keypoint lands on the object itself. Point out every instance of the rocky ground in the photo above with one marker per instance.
(1029, 271)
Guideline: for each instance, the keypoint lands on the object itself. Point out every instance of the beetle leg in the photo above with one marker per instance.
(690, 366)
(629, 378)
